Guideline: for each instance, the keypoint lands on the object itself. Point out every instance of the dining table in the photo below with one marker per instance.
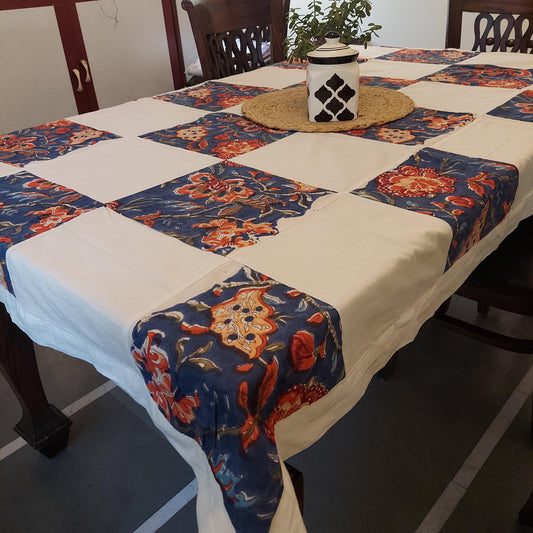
(244, 283)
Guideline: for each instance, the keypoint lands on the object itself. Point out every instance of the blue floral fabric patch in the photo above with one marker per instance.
(220, 208)
(518, 108)
(32, 205)
(387, 83)
(47, 141)
(213, 95)
(416, 128)
(484, 76)
(223, 135)
(472, 195)
(417, 55)
(226, 366)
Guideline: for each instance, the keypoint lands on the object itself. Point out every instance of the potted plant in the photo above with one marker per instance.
(306, 31)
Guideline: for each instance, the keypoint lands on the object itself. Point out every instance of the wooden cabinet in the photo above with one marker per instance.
(63, 57)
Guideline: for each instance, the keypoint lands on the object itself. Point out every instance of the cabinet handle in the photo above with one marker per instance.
(86, 67)
(76, 73)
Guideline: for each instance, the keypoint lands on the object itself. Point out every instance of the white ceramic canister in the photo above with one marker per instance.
(332, 81)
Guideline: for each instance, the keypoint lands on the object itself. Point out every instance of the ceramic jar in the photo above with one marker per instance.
(332, 81)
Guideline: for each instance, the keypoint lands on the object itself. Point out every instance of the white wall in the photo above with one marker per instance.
(406, 23)
(410, 23)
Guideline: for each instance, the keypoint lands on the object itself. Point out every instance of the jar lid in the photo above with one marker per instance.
(332, 52)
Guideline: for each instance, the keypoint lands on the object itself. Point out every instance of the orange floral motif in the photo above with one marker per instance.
(394, 135)
(228, 149)
(226, 233)
(303, 351)
(148, 220)
(41, 184)
(194, 133)
(289, 402)
(84, 135)
(243, 322)
(477, 183)
(206, 185)
(53, 216)
(414, 182)
(462, 201)
(12, 143)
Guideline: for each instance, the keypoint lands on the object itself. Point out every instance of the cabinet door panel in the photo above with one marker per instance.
(34, 85)
(128, 59)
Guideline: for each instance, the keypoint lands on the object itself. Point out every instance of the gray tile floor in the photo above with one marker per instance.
(379, 470)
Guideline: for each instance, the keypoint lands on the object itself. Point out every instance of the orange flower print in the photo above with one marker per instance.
(148, 220)
(84, 135)
(414, 182)
(289, 402)
(303, 351)
(206, 185)
(478, 183)
(394, 135)
(41, 184)
(476, 233)
(243, 322)
(462, 201)
(228, 149)
(443, 77)
(226, 233)
(183, 409)
(53, 216)
(12, 143)
(194, 133)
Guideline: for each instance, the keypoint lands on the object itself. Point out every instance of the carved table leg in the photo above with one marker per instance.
(525, 516)
(43, 426)
(297, 479)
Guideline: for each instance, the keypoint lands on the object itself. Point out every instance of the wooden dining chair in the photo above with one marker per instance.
(229, 34)
(501, 25)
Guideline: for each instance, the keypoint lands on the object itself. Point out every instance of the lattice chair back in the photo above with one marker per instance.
(233, 36)
(504, 26)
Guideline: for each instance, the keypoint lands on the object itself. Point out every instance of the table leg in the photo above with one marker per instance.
(297, 479)
(43, 426)
(525, 516)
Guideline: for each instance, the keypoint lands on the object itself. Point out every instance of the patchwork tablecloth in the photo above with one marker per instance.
(243, 283)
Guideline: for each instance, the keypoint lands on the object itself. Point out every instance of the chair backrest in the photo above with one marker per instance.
(229, 34)
(510, 30)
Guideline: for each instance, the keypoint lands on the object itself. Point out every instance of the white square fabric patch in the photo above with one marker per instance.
(142, 116)
(105, 272)
(398, 69)
(114, 169)
(369, 260)
(497, 139)
(502, 59)
(457, 98)
(274, 77)
(351, 161)
(373, 51)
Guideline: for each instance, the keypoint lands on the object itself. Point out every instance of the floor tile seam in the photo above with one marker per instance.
(71, 409)
(169, 509)
(444, 506)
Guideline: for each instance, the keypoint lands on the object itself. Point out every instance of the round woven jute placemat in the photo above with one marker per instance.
(286, 109)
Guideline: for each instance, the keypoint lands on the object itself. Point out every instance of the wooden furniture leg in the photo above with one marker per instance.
(525, 516)
(297, 479)
(43, 426)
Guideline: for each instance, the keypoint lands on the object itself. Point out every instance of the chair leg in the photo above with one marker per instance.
(297, 479)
